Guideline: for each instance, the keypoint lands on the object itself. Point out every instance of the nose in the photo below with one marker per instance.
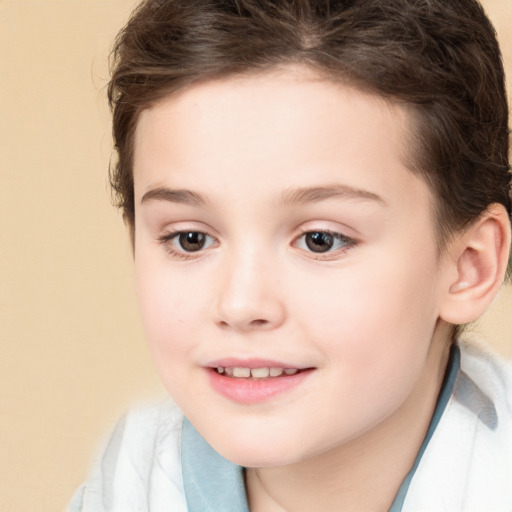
(250, 297)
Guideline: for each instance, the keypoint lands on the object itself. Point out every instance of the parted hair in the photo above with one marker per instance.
(438, 58)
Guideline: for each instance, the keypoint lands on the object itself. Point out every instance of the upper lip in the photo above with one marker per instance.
(233, 362)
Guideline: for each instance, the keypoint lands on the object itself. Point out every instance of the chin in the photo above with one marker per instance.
(257, 450)
(257, 458)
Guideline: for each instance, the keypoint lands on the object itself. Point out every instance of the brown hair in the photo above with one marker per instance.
(438, 57)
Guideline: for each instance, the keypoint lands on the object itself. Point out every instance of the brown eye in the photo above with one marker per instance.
(328, 243)
(319, 241)
(187, 244)
(192, 241)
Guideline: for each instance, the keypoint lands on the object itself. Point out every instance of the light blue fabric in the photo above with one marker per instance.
(213, 484)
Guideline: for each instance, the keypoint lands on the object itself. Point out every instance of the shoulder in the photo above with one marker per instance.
(140, 467)
(468, 462)
(491, 374)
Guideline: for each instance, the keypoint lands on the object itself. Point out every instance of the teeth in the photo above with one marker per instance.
(241, 372)
(256, 373)
(260, 373)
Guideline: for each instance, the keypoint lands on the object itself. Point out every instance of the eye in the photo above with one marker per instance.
(324, 241)
(187, 241)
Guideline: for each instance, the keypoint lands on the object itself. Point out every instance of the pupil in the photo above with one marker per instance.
(319, 242)
(192, 241)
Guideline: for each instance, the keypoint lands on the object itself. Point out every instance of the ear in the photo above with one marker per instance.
(478, 261)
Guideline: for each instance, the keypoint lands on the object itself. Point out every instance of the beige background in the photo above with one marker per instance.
(72, 355)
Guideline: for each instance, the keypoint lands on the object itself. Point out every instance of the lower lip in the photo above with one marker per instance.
(249, 391)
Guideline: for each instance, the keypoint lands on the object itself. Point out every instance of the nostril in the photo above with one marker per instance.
(253, 324)
(258, 323)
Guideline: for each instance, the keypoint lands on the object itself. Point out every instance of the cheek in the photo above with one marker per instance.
(356, 302)
(168, 324)
(169, 308)
(372, 322)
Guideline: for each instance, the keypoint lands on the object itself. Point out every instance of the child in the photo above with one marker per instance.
(318, 195)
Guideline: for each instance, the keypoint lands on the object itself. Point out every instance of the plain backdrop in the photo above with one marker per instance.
(72, 353)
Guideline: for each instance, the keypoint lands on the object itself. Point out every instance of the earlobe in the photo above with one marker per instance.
(480, 259)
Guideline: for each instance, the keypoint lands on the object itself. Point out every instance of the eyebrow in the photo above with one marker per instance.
(173, 196)
(307, 195)
(303, 195)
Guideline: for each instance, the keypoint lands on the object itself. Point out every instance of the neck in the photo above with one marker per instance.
(364, 474)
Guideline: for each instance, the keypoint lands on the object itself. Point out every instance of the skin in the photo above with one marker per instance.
(367, 315)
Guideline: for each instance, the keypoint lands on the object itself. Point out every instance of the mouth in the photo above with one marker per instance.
(255, 381)
(240, 372)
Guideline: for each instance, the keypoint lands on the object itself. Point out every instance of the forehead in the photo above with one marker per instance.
(271, 132)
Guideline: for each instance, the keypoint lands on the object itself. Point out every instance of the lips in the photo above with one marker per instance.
(254, 381)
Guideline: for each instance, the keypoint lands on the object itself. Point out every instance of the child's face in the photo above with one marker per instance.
(305, 244)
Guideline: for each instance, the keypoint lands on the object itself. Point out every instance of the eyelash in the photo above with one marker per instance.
(166, 241)
(348, 243)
